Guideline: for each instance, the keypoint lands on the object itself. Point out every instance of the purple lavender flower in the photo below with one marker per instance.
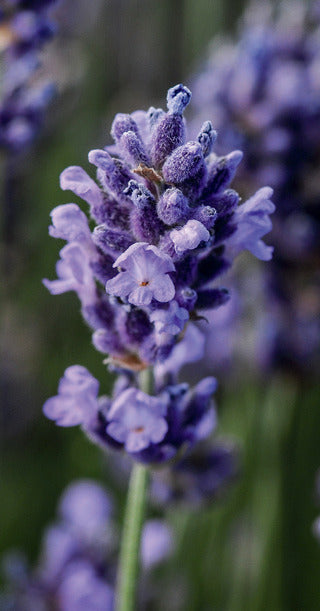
(74, 273)
(24, 30)
(168, 227)
(189, 237)
(81, 588)
(86, 508)
(137, 420)
(145, 276)
(253, 222)
(161, 226)
(76, 569)
(71, 224)
(150, 428)
(76, 402)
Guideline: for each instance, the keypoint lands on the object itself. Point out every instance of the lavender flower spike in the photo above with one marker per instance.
(25, 28)
(159, 244)
(145, 276)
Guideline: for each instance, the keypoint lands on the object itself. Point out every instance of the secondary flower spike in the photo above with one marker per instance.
(25, 28)
(167, 226)
(263, 91)
(77, 565)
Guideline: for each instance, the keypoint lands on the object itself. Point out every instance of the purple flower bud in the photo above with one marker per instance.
(170, 321)
(110, 241)
(167, 134)
(99, 314)
(134, 326)
(123, 123)
(173, 207)
(154, 115)
(201, 476)
(107, 341)
(113, 213)
(184, 163)
(223, 203)
(178, 97)
(139, 194)
(145, 224)
(132, 149)
(82, 586)
(205, 215)
(200, 417)
(212, 298)
(190, 236)
(186, 269)
(112, 173)
(186, 298)
(207, 137)
(222, 171)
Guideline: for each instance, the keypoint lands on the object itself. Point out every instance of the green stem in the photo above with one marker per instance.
(133, 521)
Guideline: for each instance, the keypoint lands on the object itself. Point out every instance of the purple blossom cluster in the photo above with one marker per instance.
(263, 93)
(77, 565)
(149, 428)
(25, 27)
(166, 227)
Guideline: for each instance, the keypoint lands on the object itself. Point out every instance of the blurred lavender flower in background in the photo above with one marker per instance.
(263, 95)
(25, 27)
(77, 564)
(201, 477)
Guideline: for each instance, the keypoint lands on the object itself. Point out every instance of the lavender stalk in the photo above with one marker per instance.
(131, 537)
(132, 527)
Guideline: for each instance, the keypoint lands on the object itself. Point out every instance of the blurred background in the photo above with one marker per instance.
(253, 549)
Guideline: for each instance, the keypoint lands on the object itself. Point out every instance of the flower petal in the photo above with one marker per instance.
(121, 285)
(141, 296)
(163, 288)
(78, 181)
